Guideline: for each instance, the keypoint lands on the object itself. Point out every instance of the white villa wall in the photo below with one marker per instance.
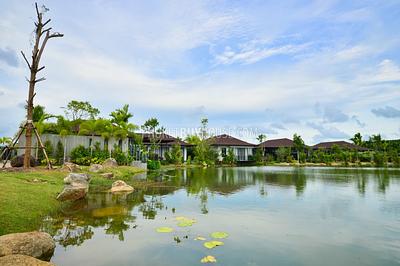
(72, 141)
(248, 151)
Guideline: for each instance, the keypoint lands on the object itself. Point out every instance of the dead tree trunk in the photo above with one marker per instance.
(42, 35)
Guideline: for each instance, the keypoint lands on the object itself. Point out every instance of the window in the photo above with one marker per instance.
(223, 152)
(241, 154)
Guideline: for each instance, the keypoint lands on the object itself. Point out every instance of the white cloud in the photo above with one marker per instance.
(249, 55)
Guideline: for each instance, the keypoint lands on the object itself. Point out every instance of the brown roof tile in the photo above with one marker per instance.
(341, 144)
(226, 140)
(277, 143)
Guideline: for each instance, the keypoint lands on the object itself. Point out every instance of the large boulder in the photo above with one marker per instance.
(22, 260)
(71, 167)
(35, 244)
(76, 187)
(110, 162)
(95, 168)
(121, 186)
(77, 179)
(18, 161)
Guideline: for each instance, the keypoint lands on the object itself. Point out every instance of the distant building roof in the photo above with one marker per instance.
(277, 143)
(226, 140)
(165, 139)
(341, 144)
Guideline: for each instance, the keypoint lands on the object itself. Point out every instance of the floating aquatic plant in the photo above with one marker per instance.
(208, 259)
(219, 235)
(213, 244)
(164, 230)
(185, 223)
(200, 238)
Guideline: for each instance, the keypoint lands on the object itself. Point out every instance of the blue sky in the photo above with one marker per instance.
(324, 69)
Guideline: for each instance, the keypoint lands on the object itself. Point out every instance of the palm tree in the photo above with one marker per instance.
(298, 145)
(357, 139)
(121, 115)
(92, 128)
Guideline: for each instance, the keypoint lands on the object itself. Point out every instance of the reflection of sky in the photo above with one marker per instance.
(330, 223)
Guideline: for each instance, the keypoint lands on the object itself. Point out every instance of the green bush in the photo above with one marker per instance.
(380, 158)
(121, 157)
(59, 156)
(153, 164)
(230, 157)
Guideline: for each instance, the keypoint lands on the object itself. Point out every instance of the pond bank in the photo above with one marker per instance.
(28, 196)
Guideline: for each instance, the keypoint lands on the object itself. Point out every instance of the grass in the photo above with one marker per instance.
(28, 196)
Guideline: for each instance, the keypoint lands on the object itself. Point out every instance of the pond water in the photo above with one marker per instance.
(273, 215)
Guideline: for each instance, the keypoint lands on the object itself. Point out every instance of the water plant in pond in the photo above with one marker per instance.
(165, 230)
(213, 244)
(208, 259)
(219, 235)
(200, 238)
(184, 222)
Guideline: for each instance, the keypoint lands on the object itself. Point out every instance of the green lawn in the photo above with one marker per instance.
(24, 203)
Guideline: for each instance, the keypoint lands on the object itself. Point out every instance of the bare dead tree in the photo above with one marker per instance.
(42, 35)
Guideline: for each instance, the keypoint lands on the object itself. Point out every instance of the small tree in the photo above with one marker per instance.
(59, 156)
(42, 35)
(298, 145)
(176, 155)
(152, 126)
(357, 139)
(204, 153)
(230, 157)
(78, 110)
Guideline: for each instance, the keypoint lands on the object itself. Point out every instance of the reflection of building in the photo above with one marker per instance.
(340, 144)
(243, 150)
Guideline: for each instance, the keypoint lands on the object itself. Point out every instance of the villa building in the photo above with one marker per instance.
(137, 146)
(271, 146)
(243, 150)
(344, 145)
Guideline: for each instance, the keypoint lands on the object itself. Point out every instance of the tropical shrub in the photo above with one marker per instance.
(230, 157)
(153, 164)
(121, 157)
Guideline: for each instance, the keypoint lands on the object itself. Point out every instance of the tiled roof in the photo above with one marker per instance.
(277, 143)
(226, 140)
(341, 144)
(165, 139)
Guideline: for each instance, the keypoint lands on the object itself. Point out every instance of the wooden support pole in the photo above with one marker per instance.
(49, 166)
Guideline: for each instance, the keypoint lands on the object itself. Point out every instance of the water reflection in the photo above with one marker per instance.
(116, 214)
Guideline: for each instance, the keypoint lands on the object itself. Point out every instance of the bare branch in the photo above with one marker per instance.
(46, 30)
(55, 35)
(39, 55)
(41, 68)
(26, 60)
(38, 13)
(27, 79)
(44, 24)
(39, 80)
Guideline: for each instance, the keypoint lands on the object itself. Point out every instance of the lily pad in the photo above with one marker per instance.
(200, 238)
(213, 244)
(164, 230)
(186, 222)
(219, 235)
(208, 259)
(180, 218)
